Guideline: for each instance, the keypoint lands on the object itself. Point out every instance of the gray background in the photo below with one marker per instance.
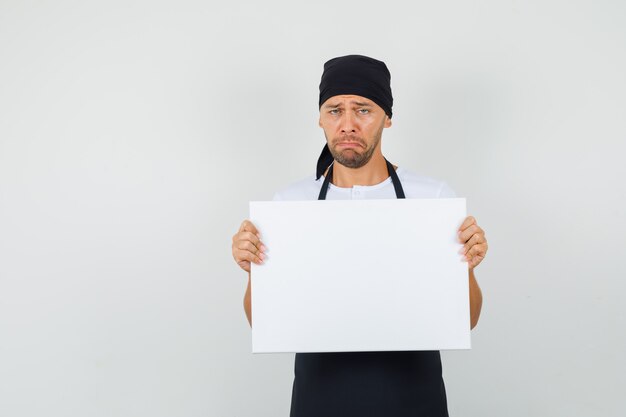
(134, 133)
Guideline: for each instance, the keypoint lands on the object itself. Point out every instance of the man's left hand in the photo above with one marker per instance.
(473, 239)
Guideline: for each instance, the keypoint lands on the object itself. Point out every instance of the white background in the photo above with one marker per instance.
(134, 133)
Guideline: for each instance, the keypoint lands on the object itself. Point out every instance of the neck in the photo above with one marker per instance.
(372, 173)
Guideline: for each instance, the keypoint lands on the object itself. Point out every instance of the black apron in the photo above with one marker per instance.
(368, 384)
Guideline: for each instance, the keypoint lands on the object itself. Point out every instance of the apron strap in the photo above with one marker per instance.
(396, 181)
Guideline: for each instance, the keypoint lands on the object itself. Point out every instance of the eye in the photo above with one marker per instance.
(364, 111)
(333, 111)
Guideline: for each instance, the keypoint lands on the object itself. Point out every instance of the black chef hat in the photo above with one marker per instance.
(354, 74)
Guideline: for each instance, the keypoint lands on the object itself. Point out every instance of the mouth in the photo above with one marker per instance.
(349, 145)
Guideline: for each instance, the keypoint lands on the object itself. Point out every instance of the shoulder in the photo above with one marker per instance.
(420, 186)
(304, 189)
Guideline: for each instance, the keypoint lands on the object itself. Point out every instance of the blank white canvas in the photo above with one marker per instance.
(368, 275)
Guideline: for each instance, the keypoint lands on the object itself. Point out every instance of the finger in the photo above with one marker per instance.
(476, 250)
(246, 255)
(478, 255)
(475, 239)
(247, 226)
(243, 236)
(475, 261)
(248, 246)
(466, 234)
(248, 236)
(245, 265)
(469, 220)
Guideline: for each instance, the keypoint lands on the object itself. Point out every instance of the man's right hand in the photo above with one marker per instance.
(247, 246)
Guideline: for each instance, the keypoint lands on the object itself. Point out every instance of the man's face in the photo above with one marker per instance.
(353, 126)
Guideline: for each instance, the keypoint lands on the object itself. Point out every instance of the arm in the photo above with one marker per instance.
(476, 299)
(247, 247)
(247, 302)
(474, 251)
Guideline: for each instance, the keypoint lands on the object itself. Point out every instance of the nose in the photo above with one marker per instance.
(347, 123)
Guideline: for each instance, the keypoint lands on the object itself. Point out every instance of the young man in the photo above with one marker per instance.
(355, 106)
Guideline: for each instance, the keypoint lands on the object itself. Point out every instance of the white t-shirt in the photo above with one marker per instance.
(414, 186)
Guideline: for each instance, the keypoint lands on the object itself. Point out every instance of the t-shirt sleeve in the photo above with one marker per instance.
(446, 192)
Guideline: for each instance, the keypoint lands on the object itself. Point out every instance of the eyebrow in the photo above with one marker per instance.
(357, 103)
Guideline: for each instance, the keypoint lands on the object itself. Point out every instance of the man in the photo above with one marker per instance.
(355, 106)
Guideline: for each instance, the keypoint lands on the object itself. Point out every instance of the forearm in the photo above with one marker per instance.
(476, 299)
(247, 302)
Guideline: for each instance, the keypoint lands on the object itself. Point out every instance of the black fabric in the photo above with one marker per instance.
(324, 160)
(359, 75)
(368, 384)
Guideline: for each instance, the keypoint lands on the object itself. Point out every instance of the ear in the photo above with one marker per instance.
(387, 121)
(319, 121)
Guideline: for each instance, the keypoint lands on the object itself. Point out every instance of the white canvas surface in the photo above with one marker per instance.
(367, 275)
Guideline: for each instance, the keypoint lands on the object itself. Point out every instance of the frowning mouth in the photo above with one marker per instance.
(349, 145)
